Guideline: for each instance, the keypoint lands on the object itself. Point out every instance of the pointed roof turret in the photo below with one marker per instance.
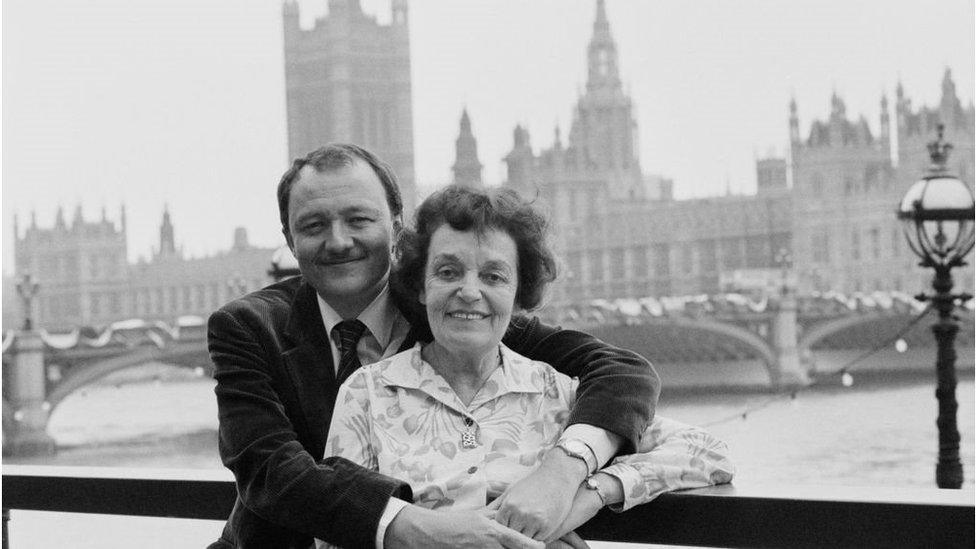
(467, 167)
(59, 218)
(78, 217)
(837, 107)
(948, 86)
(602, 53)
(167, 243)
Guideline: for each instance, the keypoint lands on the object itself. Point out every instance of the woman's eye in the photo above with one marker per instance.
(494, 278)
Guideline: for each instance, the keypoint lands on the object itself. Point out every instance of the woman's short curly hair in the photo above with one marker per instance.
(479, 210)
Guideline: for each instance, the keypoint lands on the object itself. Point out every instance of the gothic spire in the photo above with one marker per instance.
(602, 53)
(167, 244)
(467, 167)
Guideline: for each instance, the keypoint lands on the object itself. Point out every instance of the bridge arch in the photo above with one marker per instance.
(822, 331)
(666, 328)
(88, 373)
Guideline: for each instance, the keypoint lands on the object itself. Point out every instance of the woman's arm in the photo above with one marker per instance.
(674, 456)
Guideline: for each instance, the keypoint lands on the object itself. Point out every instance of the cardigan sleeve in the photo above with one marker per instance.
(618, 388)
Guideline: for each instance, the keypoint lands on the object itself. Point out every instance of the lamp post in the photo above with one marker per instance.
(937, 214)
(27, 288)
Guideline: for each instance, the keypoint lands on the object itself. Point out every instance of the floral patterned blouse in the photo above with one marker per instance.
(400, 417)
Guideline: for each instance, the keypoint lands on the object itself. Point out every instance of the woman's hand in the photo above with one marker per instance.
(587, 504)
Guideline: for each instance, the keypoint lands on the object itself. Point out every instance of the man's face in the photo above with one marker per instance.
(341, 232)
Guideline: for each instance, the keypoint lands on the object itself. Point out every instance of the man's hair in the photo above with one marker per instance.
(336, 156)
(467, 209)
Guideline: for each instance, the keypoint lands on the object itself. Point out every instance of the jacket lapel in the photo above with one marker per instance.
(309, 366)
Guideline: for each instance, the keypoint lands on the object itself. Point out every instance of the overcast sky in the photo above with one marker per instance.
(149, 102)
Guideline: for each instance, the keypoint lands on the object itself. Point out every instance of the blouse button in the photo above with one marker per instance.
(472, 470)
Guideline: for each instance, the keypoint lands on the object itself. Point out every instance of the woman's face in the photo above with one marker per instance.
(469, 289)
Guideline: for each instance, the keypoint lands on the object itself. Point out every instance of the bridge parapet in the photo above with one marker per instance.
(732, 307)
(125, 334)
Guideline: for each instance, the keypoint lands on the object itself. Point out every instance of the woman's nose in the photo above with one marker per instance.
(470, 289)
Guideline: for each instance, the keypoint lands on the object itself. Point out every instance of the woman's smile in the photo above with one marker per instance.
(469, 290)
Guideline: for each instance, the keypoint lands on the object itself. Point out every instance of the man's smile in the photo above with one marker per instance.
(338, 261)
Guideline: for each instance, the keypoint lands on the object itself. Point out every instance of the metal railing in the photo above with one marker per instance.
(720, 516)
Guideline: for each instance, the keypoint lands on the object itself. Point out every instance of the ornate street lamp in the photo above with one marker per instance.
(27, 289)
(937, 214)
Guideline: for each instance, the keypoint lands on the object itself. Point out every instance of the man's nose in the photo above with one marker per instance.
(338, 237)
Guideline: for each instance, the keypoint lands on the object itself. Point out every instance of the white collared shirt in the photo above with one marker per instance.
(385, 329)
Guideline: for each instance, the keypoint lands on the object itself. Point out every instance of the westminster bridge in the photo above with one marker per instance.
(782, 336)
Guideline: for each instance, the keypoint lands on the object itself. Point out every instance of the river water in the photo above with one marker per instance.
(870, 434)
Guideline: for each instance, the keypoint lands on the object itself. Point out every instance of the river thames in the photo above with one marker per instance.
(871, 434)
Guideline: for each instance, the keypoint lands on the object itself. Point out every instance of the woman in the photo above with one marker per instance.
(462, 417)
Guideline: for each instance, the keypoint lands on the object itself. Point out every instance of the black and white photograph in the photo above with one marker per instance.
(523, 274)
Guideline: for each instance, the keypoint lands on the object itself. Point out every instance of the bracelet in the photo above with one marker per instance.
(591, 484)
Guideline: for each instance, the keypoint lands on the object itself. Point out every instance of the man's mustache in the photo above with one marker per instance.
(338, 259)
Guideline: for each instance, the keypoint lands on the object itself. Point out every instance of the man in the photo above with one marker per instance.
(281, 353)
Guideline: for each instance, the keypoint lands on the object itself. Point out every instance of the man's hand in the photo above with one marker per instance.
(539, 503)
(416, 527)
(569, 541)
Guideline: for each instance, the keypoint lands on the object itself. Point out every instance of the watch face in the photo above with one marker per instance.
(574, 447)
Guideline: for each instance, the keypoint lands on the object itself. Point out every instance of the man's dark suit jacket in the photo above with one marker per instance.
(276, 390)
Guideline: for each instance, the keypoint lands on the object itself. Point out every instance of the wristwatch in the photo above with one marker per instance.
(592, 484)
(576, 448)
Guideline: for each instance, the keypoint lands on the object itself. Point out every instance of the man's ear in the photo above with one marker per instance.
(397, 226)
(422, 298)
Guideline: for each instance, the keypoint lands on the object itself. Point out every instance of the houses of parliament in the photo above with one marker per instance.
(825, 214)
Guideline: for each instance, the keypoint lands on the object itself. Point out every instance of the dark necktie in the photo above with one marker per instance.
(349, 332)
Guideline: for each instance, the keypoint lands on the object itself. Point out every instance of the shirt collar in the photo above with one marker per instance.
(379, 316)
(517, 374)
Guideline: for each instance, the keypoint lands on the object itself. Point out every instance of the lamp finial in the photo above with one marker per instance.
(939, 150)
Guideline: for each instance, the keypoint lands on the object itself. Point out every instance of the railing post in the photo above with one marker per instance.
(6, 519)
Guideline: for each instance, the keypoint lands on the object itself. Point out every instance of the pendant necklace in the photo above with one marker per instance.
(468, 438)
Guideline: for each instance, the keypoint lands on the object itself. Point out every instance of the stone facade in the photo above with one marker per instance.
(847, 184)
(348, 79)
(620, 233)
(86, 280)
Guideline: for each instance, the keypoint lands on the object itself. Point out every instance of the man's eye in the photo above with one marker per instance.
(311, 226)
(360, 220)
(447, 273)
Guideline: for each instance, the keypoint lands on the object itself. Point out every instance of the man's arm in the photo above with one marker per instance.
(618, 388)
(614, 403)
(277, 478)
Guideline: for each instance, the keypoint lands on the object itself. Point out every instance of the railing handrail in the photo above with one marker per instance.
(719, 516)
